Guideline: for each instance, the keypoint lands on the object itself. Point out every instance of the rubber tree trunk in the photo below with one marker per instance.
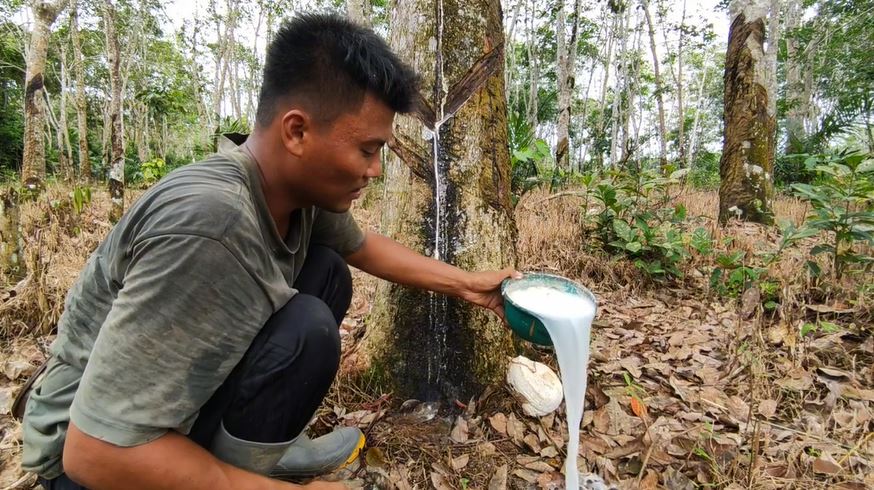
(81, 104)
(33, 168)
(795, 104)
(747, 160)
(116, 158)
(65, 153)
(11, 261)
(660, 88)
(681, 108)
(566, 52)
(359, 11)
(447, 196)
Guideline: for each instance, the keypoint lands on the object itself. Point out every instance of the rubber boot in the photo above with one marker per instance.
(312, 457)
(257, 457)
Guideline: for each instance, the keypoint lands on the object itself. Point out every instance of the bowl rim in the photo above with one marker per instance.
(507, 282)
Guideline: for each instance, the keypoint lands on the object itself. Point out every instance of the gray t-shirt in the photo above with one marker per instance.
(168, 304)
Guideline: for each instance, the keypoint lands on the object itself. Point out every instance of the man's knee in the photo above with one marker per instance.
(307, 327)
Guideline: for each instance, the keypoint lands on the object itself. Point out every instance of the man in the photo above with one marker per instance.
(202, 334)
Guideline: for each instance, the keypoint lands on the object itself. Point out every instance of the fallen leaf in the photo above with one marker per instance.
(540, 466)
(825, 467)
(857, 394)
(750, 300)
(486, 449)
(549, 452)
(515, 429)
(498, 481)
(632, 365)
(550, 481)
(835, 374)
(532, 442)
(650, 481)
(460, 462)
(498, 422)
(638, 407)
(796, 380)
(526, 475)
(767, 408)
(439, 481)
(675, 480)
(6, 400)
(459, 432)
(375, 457)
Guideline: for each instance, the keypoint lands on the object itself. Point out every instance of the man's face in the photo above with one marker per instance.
(338, 159)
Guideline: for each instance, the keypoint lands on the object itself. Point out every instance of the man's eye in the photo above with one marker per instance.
(368, 153)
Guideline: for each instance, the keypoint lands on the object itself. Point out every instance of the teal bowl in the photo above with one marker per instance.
(521, 321)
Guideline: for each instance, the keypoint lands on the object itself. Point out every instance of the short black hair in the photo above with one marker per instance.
(327, 63)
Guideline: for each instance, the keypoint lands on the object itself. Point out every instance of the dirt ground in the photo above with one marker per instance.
(686, 389)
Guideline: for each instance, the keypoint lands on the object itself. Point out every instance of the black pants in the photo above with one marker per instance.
(273, 392)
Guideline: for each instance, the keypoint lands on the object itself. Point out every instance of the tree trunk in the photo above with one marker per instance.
(81, 105)
(795, 110)
(65, 156)
(33, 168)
(747, 161)
(659, 90)
(11, 262)
(565, 64)
(533, 69)
(681, 112)
(699, 101)
(358, 11)
(447, 197)
(116, 159)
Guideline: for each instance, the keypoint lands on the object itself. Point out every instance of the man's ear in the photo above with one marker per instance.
(295, 128)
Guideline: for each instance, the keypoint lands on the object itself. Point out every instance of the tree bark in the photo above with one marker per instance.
(65, 158)
(533, 69)
(33, 168)
(747, 161)
(11, 262)
(795, 109)
(81, 104)
(699, 101)
(358, 11)
(116, 159)
(659, 90)
(681, 112)
(566, 62)
(447, 197)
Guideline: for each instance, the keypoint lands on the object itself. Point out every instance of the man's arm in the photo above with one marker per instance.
(387, 259)
(170, 462)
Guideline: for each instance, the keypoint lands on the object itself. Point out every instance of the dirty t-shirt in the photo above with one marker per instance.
(168, 304)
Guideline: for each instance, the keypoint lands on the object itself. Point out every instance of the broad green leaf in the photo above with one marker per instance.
(633, 247)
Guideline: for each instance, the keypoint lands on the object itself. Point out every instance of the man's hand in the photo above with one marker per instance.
(484, 289)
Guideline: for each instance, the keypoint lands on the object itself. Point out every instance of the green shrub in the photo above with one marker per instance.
(842, 198)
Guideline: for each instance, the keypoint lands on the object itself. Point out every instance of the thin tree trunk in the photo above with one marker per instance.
(533, 68)
(795, 134)
(608, 62)
(358, 11)
(681, 111)
(116, 166)
(747, 161)
(621, 80)
(81, 104)
(699, 101)
(33, 168)
(66, 165)
(449, 199)
(565, 64)
(659, 90)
